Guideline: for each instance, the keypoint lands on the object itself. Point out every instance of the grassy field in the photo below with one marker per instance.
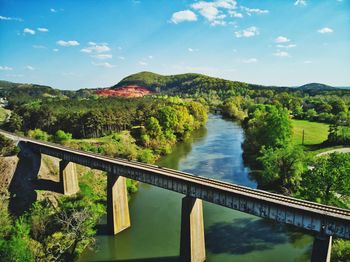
(315, 133)
(3, 114)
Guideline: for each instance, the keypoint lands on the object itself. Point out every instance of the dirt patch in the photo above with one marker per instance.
(125, 91)
(7, 170)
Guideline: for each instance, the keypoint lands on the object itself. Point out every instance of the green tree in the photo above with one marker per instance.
(15, 123)
(282, 166)
(38, 134)
(267, 126)
(327, 179)
(61, 137)
(153, 128)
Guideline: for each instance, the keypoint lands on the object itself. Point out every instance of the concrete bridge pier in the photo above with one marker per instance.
(69, 178)
(118, 217)
(192, 245)
(321, 250)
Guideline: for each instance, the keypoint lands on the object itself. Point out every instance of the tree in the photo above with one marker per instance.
(38, 134)
(15, 123)
(328, 179)
(153, 129)
(282, 166)
(267, 126)
(7, 147)
(311, 113)
(62, 137)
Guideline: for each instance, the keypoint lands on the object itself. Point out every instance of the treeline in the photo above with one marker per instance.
(98, 117)
(324, 107)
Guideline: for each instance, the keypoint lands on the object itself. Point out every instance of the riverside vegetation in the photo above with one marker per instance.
(145, 128)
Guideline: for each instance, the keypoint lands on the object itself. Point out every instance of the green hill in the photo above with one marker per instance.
(316, 87)
(189, 83)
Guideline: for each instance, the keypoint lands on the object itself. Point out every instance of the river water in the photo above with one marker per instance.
(215, 152)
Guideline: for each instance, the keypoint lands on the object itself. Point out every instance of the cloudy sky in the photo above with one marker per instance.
(79, 44)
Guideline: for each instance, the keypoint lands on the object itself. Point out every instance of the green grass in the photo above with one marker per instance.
(315, 133)
(3, 114)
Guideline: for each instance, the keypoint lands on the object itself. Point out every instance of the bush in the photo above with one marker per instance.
(62, 137)
(7, 147)
(38, 134)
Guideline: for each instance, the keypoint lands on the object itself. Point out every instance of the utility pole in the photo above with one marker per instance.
(302, 142)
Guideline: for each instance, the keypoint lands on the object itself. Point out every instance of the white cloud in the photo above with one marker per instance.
(42, 29)
(53, 10)
(286, 46)
(307, 62)
(68, 43)
(250, 61)
(39, 46)
(234, 13)
(105, 64)
(192, 49)
(281, 54)
(251, 11)
(213, 11)
(181, 16)
(5, 68)
(96, 48)
(55, 50)
(7, 18)
(30, 68)
(121, 57)
(248, 32)
(207, 9)
(28, 31)
(143, 63)
(282, 39)
(103, 56)
(150, 57)
(300, 3)
(325, 30)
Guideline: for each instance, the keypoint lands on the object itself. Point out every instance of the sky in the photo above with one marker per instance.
(88, 44)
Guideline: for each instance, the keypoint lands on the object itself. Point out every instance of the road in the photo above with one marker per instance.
(339, 150)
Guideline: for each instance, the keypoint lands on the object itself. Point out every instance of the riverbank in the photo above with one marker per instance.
(214, 151)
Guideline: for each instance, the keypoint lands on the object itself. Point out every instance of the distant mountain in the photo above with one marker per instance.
(316, 87)
(9, 88)
(189, 83)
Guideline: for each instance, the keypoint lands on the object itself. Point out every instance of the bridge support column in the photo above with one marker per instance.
(69, 178)
(118, 217)
(192, 245)
(321, 250)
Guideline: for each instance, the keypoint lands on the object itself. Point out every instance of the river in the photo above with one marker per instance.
(213, 151)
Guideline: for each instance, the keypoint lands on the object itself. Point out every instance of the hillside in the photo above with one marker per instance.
(31, 89)
(316, 87)
(189, 83)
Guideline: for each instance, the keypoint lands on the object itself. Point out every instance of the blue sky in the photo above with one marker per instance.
(80, 44)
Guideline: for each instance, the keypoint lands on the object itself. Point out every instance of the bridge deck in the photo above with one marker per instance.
(301, 213)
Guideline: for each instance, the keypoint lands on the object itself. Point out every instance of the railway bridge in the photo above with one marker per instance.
(324, 221)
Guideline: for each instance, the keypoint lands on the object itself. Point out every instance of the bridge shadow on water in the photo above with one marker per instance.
(245, 235)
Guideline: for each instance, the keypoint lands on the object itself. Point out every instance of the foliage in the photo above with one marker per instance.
(38, 134)
(62, 137)
(7, 147)
(327, 179)
(282, 166)
(267, 126)
(340, 250)
(233, 108)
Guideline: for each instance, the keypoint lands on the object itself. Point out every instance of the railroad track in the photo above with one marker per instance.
(255, 193)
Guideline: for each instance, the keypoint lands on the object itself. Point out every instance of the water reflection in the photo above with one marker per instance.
(215, 152)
